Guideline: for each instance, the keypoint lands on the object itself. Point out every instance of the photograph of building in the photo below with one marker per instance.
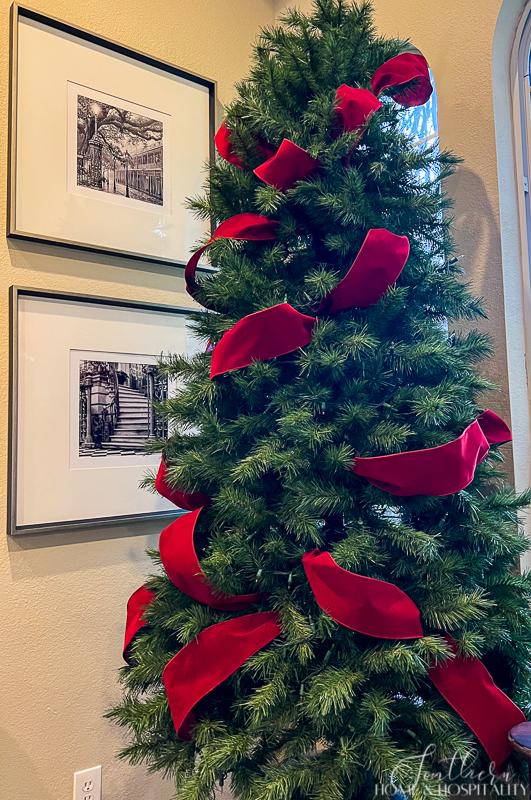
(119, 152)
(117, 407)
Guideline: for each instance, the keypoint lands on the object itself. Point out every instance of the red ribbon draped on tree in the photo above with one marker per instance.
(224, 146)
(136, 605)
(187, 500)
(436, 471)
(376, 608)
(406, 78)
(180, 561)
(261, 336)
(245, 227)
(364, 605)
(212, 657)
(368, 606)
(355, 107)
(281, 329)
(289, 165)
(467, 685)
(378, 264)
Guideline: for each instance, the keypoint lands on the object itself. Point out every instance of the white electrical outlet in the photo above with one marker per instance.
(87, 784)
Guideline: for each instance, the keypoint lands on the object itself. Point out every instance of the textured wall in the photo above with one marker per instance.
(62, 597)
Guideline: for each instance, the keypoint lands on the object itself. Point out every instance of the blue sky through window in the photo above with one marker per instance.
(421, 121)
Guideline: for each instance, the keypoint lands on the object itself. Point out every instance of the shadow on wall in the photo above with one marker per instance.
(62, 261)
(22, 762)
(44, 554)
(477, 235)
(476, 229)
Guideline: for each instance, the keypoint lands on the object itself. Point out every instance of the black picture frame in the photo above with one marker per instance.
(102, 522)
(12, 231)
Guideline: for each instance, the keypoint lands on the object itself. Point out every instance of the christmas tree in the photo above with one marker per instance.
(339, 610)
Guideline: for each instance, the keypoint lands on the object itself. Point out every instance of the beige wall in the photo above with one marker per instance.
(456, 37)
(62, 597)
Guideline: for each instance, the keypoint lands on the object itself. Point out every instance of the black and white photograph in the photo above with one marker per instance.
(117, 407)
(106, 144)
(119, 152)
(81, 455)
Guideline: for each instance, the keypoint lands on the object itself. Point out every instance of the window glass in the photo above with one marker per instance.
(421, 121)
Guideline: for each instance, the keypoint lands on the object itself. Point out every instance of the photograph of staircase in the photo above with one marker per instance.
(117, 407)
(132, 427)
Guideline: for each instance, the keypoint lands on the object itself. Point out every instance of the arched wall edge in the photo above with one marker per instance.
(513, 231)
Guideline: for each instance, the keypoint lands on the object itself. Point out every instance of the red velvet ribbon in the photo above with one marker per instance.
(281, 329)
(366, 605)
(378, 264)
(212, 657)
(179, 559)
(380, 609)
(187, 500)
(355, 107)
(290, 164)
(136, 605)
(406, 78)
(266, 334)
(224, 146)
(436, 471)
(246, 227)
(495, 429)
(467, 685)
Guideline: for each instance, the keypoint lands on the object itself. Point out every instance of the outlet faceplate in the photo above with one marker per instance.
(87, 784)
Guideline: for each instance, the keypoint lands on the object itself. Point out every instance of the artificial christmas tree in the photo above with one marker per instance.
(339, 612)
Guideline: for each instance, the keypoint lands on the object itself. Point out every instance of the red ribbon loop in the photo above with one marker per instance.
(290, 164)
(467, 685)
(435, 471)
(179, 559)
(211, 658)
(136, 605)
(187, 500)
(365, 605)
(380, 261)
(355, 107)
(495, 429)
(224, 146)
(246, 227)
(406, 78)
(266, 334)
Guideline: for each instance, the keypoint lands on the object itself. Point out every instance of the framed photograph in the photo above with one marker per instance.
(84, 391)
(106, 143)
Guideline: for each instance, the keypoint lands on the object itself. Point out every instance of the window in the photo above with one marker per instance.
(421, 122)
